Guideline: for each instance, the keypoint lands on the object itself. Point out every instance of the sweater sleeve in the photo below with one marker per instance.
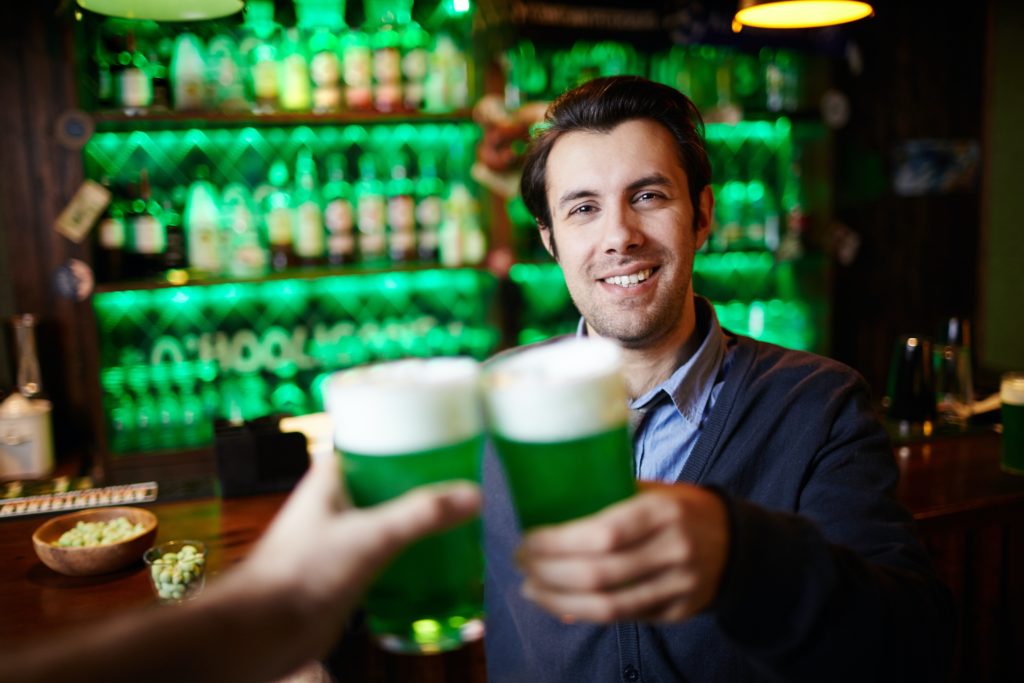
(839, 588)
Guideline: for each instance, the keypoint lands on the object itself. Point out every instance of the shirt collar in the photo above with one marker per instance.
(690, 385)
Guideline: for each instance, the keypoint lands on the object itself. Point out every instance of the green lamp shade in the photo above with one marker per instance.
(164, 10)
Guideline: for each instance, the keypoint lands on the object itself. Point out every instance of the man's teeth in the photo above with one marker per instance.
(629, 280)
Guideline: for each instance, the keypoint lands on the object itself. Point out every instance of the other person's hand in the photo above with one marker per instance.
(658, 556)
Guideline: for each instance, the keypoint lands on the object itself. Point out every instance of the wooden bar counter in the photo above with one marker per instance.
(970, 516)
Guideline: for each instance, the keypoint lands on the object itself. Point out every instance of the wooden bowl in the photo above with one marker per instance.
(92, 560)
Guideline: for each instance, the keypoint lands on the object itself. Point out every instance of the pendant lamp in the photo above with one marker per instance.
(799, 13)
(164, 10)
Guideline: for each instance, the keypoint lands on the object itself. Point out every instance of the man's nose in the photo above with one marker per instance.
(623, 229)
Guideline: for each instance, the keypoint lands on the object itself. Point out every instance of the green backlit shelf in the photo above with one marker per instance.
(120, 121)
(185, 278)
(175, 358)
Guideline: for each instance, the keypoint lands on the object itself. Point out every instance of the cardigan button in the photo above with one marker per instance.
(630, 673)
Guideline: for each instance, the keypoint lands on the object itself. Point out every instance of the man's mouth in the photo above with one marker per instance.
(631, 280)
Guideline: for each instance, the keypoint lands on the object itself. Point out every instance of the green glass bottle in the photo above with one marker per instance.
(309, 214)
(371, 212)
(147, 418)
(339, 217)
(245, 253)
(325, 70)
(203, 225)
(188, 73)
(296, 92)
(224, 74)
(415, 44)
(401, 212)
(120, 411)
(278, 218)
(357, 70)
(259, 48)
(429, 207)
(134, 84)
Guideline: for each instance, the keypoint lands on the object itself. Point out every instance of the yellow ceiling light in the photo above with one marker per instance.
(799, 13)
(164, 10)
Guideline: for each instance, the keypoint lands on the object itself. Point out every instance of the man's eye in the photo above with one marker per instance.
(646, 196)
(586, 208)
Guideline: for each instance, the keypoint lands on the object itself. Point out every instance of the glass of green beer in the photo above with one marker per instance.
(1011, 398)
(559, 420)
(397, 426)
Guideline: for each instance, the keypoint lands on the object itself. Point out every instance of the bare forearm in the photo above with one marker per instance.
(231, 633)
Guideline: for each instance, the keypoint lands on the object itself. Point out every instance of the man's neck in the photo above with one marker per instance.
(647, 367)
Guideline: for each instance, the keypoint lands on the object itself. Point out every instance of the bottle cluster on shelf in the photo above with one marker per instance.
(367, 207)
(321, 64)
(721, 81)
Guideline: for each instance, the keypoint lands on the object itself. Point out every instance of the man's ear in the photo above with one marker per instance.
(548, 240)
(703, 214)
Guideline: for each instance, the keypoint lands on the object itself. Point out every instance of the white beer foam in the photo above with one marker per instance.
(1011, 391)
(556, 392)
(405, 406)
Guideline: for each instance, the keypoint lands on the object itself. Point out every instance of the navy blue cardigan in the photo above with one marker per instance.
(824, 581)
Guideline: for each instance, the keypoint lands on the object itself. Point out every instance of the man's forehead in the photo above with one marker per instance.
(634, 149)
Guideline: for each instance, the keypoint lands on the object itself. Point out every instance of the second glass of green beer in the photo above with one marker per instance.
(559, 420)
(400, 425)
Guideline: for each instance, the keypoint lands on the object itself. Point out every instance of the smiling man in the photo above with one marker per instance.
(765, 543)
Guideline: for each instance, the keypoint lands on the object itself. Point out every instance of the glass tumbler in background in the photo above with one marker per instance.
(559, 419)
(954, 373)
(397, 426)
(1011, 398)
(910, 393)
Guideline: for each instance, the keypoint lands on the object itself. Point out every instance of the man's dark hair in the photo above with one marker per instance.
(599, 106)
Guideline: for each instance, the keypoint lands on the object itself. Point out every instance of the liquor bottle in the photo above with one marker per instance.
(244, 251)
(401, 212)
(175, 255)
(309, 214)
(120, 409)
(225, 86)
(167, 408)
(111, 237)
(148, 237)
(415, 64)
(371, 211)
(259, 49)
(188, 73)
(203, 225)
(134, 87)
(104, 76)
(429, 207)
(387, 68)
(196, 427)
(29, 378)
(338, 214)
(277, 215)
(146, 416)
(295, 93)
(325, 70)
(357, 70)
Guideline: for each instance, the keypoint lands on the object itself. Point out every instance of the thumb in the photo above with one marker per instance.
(421, 511)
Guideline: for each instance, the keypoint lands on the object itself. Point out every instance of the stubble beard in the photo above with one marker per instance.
(637, 326)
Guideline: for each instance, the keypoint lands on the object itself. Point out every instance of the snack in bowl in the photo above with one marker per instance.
(177, 569)
(100, 545)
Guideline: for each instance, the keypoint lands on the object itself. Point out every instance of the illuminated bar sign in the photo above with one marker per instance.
(173, 359)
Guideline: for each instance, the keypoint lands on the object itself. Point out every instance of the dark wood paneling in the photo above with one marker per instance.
(39, 176)
(922, 78)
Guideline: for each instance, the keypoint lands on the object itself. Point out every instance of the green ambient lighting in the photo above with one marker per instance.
(750, 291)
(244, 155)
(164, 10)
(176, 358)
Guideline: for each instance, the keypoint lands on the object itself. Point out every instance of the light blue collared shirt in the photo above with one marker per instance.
(674, 412)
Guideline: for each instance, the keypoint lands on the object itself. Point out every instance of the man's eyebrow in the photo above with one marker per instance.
(573, 195)
(657, 179)
(652, 179)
